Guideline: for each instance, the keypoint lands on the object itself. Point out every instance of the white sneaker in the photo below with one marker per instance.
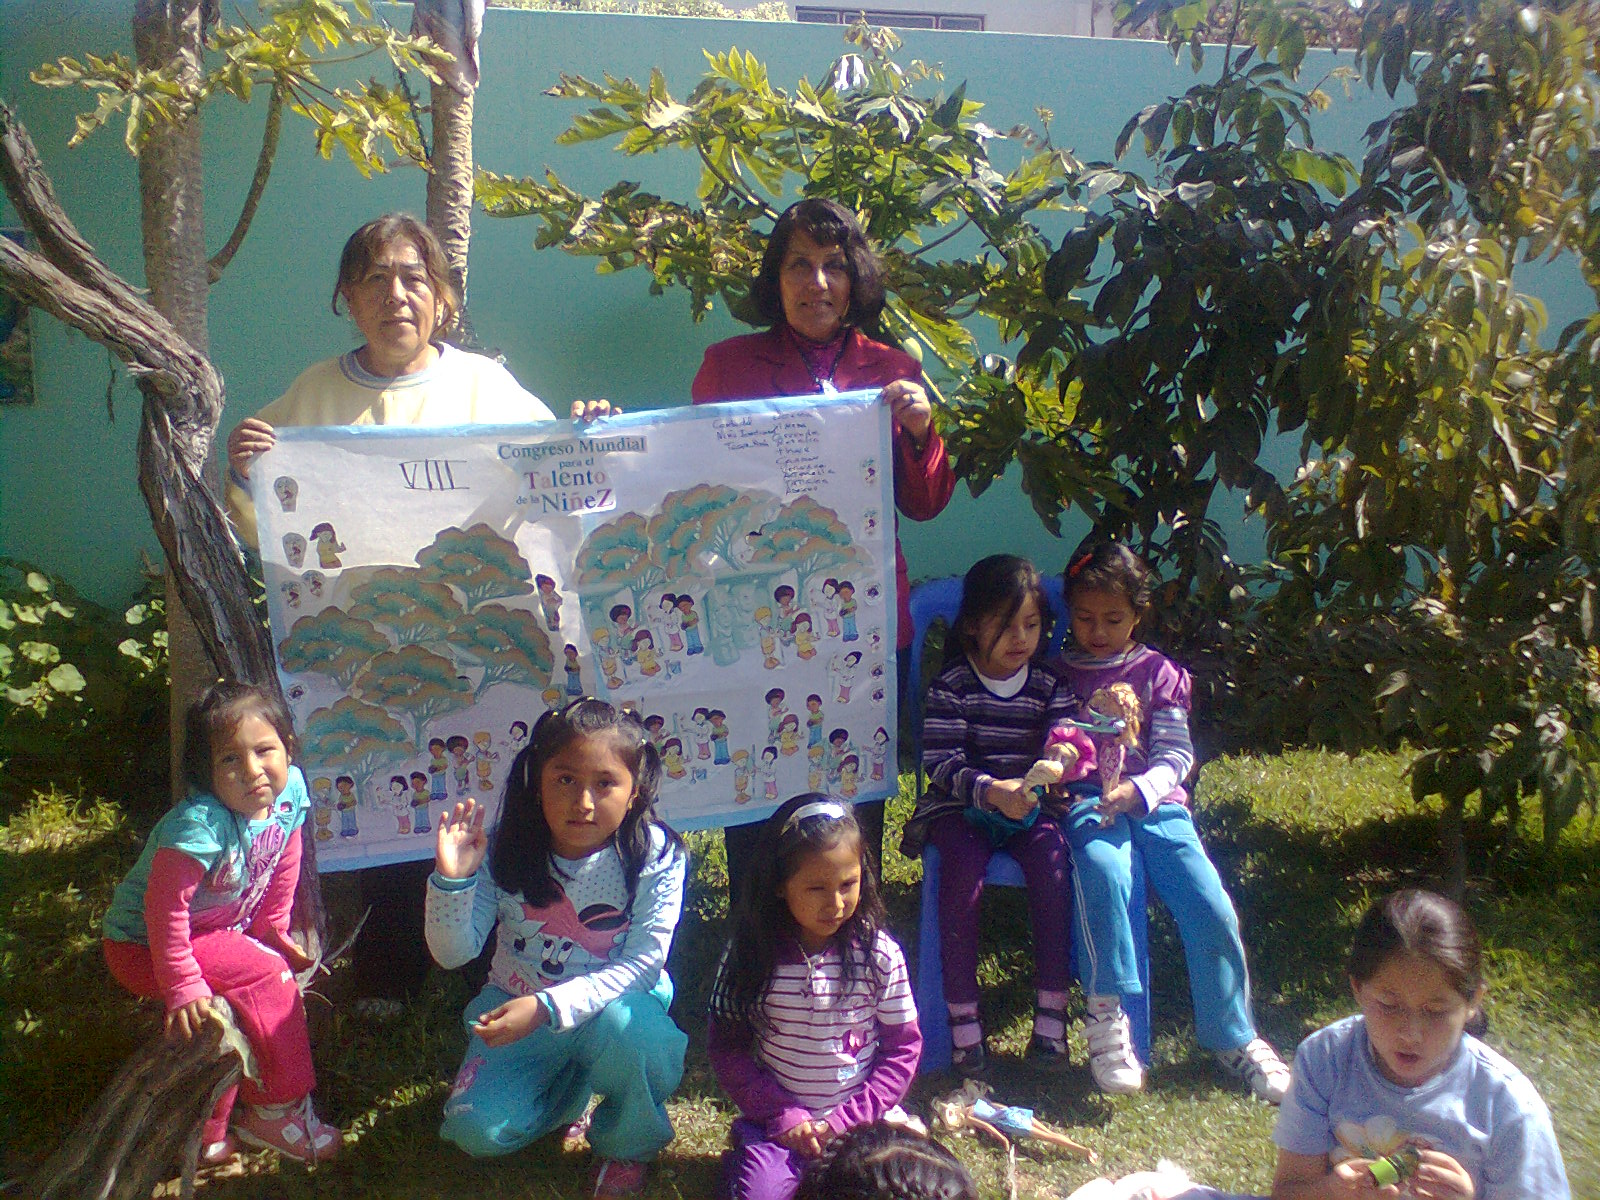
(1258, 1065)
(1112, 1061)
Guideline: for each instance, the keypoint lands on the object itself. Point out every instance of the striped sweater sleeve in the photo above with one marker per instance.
(1170, 759)
(944, 743)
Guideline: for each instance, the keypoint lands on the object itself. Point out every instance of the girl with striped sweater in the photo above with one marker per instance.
(813, 1028)
(993, 713)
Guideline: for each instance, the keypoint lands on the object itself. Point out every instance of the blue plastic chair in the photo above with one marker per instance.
(939, 599)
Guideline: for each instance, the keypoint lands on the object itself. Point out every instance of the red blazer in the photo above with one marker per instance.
(760, 365)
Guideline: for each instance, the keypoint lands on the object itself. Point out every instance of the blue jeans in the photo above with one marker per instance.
(1176, 865)
(630, 1053)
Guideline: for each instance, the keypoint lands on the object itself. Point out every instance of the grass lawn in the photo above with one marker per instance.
(1304, 839)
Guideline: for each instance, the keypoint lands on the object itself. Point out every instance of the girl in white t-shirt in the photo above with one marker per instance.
(1403, 1100)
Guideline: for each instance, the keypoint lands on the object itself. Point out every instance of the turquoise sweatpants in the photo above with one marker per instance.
(630, 1053)
(1177, 867)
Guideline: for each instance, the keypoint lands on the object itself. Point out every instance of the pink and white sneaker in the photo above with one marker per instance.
(294, 1130)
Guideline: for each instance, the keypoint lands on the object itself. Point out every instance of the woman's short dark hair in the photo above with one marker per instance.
(380, 233)
(827, 223)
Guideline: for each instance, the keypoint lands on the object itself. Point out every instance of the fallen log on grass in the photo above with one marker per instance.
(149, 1119)
(151, 1116)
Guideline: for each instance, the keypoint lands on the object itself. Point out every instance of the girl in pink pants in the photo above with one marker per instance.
(205, 912)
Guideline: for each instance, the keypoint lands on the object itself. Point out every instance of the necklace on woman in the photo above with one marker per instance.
(806, 348)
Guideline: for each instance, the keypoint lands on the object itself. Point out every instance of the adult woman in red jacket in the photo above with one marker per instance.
(819, 286)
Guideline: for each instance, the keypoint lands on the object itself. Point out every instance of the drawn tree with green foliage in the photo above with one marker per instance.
(352, 737)
(331, 643)
(478, 563)
(810, 539)
(706, 522)
(510, 643)
(619, 556)
(407, 603)
(414, 683)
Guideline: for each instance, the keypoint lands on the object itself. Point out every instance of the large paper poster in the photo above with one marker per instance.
(726, 571)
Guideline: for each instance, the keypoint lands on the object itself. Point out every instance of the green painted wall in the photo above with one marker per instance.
(68, 498)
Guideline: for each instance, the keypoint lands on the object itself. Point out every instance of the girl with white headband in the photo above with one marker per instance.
(813, 1028)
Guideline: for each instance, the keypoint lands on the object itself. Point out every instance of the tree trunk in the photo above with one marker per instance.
(171, 33)
(183, 401)
(450, 179)
(172, 222)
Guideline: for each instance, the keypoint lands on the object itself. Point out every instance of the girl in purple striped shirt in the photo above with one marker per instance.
(813, 1028)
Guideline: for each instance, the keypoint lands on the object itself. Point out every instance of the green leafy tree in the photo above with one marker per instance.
(478, 563)
(706, 523)
(352, 737)
(618, 555)
(414, 683)
(509, 643)
(332, 643)
(1249, 283)
(406, 602)
(808, 538)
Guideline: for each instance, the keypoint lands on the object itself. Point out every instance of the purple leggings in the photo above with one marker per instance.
(1045, 858)
(759, 1169)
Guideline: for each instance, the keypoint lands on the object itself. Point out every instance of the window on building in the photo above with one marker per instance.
(891, 17)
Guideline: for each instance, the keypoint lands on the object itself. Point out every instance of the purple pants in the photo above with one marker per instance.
(1045, 858)
(759, 1169)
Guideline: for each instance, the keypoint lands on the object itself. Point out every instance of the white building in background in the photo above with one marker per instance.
(1080, 18)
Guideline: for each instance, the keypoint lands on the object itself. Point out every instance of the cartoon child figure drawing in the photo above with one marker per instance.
(700, 732)
(438, 768)
(484, 757)
(569, 654)
(789, 735)
(328, 545)
(622, 623)
(805, 644)
(294, 549)
(672, 758)
(783, 597)
(741, 777)
(400, 802)
(775, 712)
(838, 748)
(878, 752)
(719, 736)
(610, 663)
(691, 624)
(847, 610)
(314, 581)
(670, 622)
(869, 470)
(518, 737)
(849, 769)
(767, 769)
(816, 769)
(291, 593)
(549, 601)
(644, 653)
(842, 672)
(419, 803)
(814, 720)
(767, 630)
(461, 758)
(322, 806)
(830, 606)
(655, 726)
(346, 804)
